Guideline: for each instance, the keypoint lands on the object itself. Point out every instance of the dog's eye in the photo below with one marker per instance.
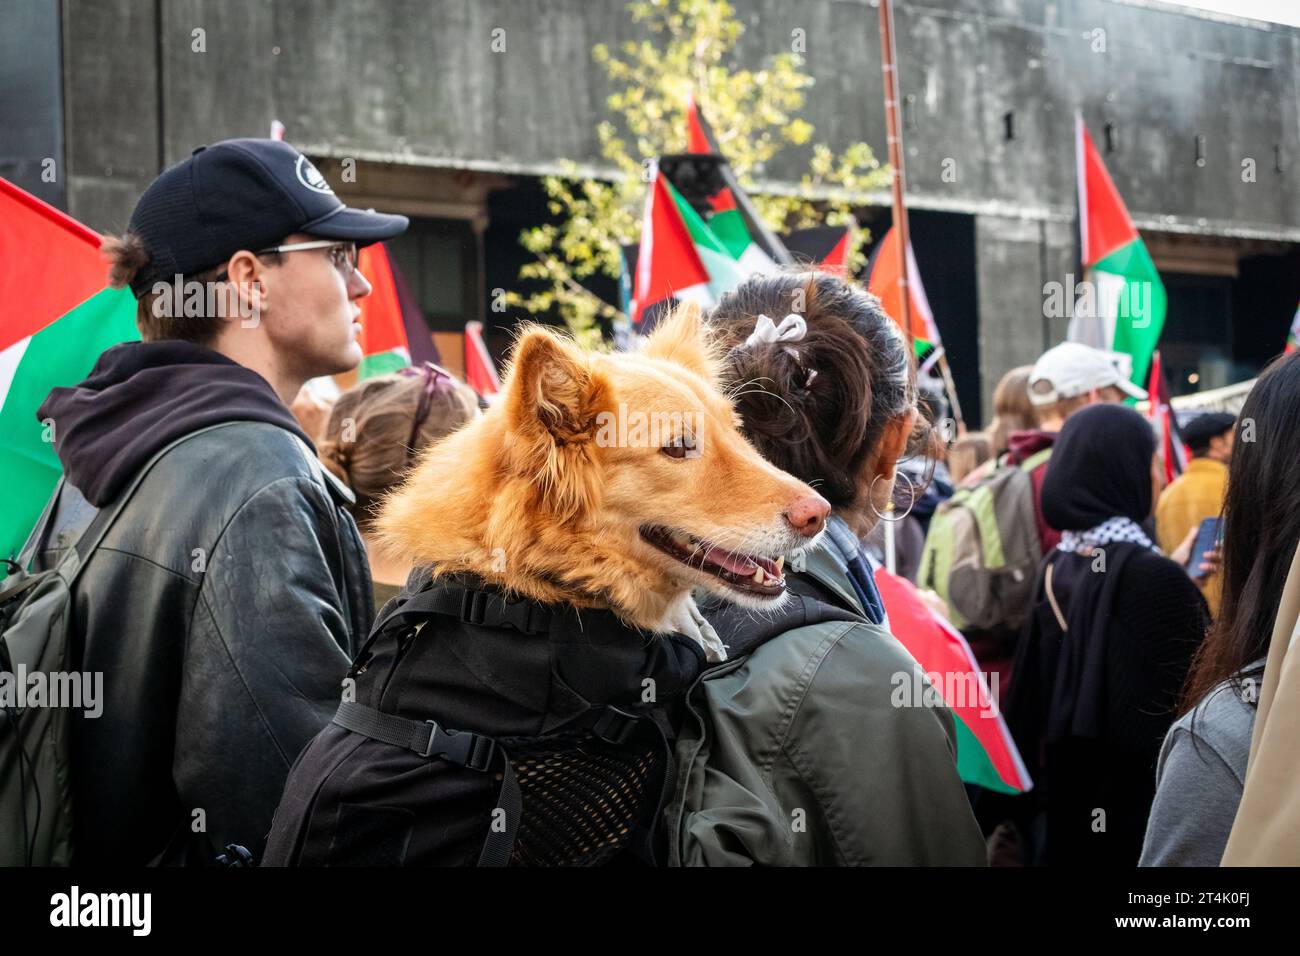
(683, 446)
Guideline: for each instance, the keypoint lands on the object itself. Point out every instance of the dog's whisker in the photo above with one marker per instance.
(768, 394)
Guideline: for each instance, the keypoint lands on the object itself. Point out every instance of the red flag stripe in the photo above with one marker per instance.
(1104, 222)
(49, 263)
(667, 260)
(382, 329)
(480, 371)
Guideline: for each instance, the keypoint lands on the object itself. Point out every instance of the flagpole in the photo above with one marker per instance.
(895, 140)
(894, 134)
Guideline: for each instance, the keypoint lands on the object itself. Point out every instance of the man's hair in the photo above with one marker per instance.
(817, 407)
(1062, 408)
(127, 257)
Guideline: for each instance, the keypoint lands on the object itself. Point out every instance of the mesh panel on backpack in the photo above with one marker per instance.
(582, 799)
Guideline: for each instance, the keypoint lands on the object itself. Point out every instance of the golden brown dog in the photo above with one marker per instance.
(609, 480)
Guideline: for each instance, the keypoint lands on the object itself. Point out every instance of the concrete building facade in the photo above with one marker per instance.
(449, 111)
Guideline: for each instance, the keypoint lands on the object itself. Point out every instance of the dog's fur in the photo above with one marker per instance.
(527, 497)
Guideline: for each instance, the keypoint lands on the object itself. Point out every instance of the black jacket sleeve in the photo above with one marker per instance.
(269, 644)
(1164, 619)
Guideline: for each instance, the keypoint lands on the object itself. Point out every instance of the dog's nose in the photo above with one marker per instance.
(808, 514)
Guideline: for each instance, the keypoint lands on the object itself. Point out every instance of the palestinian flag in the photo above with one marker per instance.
(1293, 337)
(58, 319)
(986, 753)
(1122, 308)
(725, 270)
(1161, 415)
(668, 264)
(725, 217)
(383, 330)
(886, 283)
(729, 212)
(480, 370)
(826, 246)
(699, 135)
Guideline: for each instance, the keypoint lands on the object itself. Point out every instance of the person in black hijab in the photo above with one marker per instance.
(1106, 647)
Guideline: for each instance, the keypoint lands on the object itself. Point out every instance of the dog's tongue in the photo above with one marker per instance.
(737, 564)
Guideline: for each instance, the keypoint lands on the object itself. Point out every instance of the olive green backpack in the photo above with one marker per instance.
(982, 551)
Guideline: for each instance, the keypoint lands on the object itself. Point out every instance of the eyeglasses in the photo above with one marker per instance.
(343, 255)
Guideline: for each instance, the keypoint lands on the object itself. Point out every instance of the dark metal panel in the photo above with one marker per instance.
(31, 134)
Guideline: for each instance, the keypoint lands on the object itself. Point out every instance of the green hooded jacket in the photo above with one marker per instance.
(794, 755)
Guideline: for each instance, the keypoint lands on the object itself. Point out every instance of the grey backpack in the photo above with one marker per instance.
(35, 642)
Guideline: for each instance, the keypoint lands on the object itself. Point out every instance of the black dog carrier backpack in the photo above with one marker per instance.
(477, 729)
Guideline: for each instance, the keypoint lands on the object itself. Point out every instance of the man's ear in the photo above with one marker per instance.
(552, 400)
(244, 274)
(683, 338)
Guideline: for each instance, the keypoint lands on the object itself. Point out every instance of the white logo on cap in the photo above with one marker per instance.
(310, 177)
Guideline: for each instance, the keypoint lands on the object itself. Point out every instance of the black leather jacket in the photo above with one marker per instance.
(222, 608)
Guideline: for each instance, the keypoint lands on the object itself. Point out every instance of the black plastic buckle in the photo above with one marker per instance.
(473, 606)
(460, 747)
(615, 726)
(235, 856)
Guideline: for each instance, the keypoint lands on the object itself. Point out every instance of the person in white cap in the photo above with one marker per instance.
(1065, 379)
(1071, 375)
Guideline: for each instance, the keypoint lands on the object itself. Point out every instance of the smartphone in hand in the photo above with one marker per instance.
(1208, 537)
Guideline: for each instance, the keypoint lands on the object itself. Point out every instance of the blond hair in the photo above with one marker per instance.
(373, 437)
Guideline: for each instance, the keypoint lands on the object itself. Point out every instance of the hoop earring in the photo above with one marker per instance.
(871, 497)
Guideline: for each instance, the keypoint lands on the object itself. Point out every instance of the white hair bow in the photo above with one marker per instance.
(791, 329)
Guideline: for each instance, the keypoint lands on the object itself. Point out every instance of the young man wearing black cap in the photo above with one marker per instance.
(223, 604)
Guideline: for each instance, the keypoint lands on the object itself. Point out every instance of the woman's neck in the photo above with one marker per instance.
(385, 570)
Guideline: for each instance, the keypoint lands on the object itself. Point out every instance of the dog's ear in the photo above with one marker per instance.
(552, 399)
(683, 338)
(551, 386)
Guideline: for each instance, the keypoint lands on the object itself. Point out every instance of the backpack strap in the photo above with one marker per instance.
(1051, 598)
(424, 737)
(1036, 459)
(40, 530)
(104, 519)
(462, 748)
(481, 608)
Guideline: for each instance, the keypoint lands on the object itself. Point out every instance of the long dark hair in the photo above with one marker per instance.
(816, 408)
(1261, 525)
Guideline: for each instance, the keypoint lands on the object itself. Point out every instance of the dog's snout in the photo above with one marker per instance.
(807, 514)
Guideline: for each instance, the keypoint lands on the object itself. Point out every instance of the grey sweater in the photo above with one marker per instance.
(1199, 777)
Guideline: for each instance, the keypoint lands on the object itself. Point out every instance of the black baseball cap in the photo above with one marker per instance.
(241, 194)
(1200, 429)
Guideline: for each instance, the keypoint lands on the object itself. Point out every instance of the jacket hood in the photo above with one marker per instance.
(1029, 442)
(142, 395)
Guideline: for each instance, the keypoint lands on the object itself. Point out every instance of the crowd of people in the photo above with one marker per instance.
(240, 574)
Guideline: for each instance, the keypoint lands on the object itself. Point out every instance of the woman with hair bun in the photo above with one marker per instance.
(819, 741)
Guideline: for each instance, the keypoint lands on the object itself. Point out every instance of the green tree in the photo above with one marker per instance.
(688, 47)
